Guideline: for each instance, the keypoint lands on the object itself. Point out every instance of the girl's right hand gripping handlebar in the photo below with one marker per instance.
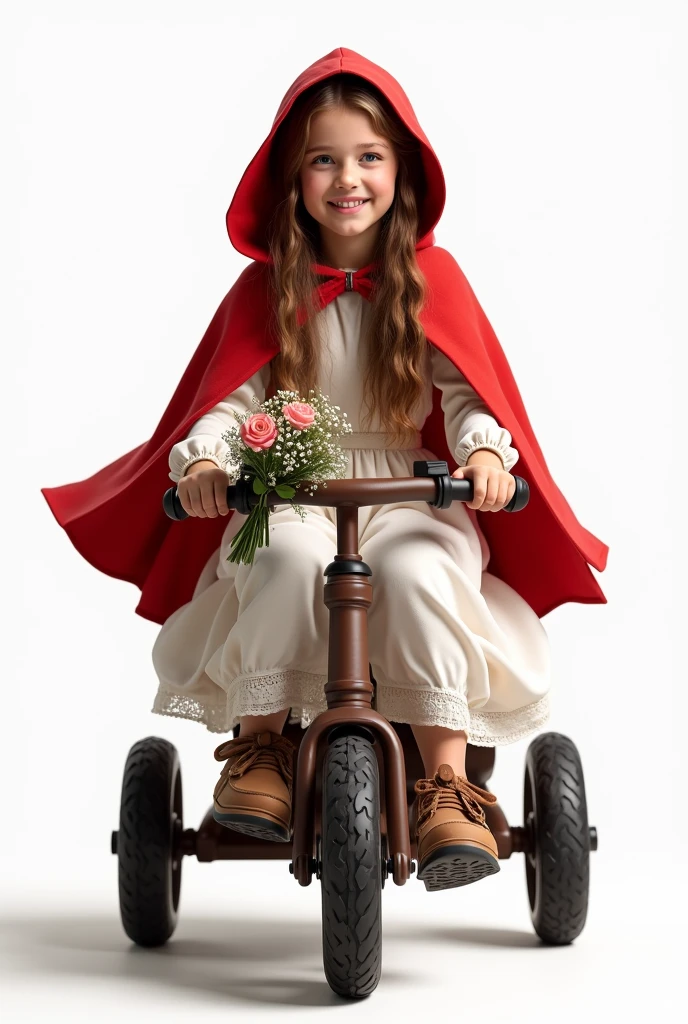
(431, 482)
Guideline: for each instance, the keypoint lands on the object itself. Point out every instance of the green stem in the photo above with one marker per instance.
(251, 533)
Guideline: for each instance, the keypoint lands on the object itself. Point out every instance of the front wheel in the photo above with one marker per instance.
(351, 867)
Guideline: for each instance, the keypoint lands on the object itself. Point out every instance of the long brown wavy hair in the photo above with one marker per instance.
(394, 376)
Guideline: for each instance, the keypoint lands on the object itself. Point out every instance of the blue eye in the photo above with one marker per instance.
(324, 157)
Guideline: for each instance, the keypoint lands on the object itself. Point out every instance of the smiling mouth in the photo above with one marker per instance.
(350, 204)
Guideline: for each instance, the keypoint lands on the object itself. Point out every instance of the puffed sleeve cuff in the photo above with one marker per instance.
(193, 449)
(495, 439)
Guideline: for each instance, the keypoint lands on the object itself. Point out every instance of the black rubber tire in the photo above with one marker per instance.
(351, 867)
(556, 821)
(148, 842)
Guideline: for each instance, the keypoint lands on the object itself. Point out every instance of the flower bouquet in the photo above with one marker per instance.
(283, 443)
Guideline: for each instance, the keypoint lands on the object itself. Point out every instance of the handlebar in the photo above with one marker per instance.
(431, 482)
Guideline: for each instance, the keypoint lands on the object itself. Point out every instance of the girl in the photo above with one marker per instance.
(346, 187)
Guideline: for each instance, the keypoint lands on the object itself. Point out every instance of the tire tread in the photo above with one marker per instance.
(563, 838)
(351, 878)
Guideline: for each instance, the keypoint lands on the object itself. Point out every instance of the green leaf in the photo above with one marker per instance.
(285, 491)
(259, 487)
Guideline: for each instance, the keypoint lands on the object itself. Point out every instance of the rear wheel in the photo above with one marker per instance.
(148, 843)
(556, 824)
(351, 867)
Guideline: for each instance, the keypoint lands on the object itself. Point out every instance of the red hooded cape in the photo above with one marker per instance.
(115, 518)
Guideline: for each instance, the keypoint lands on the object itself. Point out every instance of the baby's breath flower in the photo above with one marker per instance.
(297, 457)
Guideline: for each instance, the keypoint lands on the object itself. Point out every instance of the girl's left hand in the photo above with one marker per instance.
(493, 488)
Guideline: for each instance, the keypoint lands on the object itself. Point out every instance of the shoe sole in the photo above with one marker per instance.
(254, 826)
(451, 866)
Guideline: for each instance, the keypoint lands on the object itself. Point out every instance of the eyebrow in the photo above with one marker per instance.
(361, 145)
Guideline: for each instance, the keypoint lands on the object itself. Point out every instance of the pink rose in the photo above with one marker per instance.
(300, 414)
(259, 431)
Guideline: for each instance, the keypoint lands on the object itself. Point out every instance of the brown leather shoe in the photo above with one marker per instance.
(455, 845)
(253, 793)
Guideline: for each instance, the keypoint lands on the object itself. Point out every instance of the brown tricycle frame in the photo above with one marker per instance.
(355, 777)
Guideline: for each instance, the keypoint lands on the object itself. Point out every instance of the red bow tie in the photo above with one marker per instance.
(343, 281)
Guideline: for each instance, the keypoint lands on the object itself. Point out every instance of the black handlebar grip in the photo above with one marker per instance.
(174, 510)
(520, 497)
(172, 505)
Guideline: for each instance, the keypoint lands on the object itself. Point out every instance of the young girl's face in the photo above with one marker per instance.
(346, 159)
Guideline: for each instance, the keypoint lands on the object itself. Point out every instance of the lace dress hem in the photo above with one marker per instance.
(303, 693)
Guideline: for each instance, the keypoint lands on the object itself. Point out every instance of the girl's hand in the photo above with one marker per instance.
(203, 490)
(493, 487)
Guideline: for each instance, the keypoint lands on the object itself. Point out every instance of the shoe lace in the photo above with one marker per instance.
(458, 791)
(251, 754)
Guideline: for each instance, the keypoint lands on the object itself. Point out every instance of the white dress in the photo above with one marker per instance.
(449, 643)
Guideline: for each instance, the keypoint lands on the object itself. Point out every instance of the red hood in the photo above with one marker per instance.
(253, 201)
(115, 519)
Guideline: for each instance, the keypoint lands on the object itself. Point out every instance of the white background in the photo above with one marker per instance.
(127, 128)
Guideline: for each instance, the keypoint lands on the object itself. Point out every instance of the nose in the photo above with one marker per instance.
(348, 175)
